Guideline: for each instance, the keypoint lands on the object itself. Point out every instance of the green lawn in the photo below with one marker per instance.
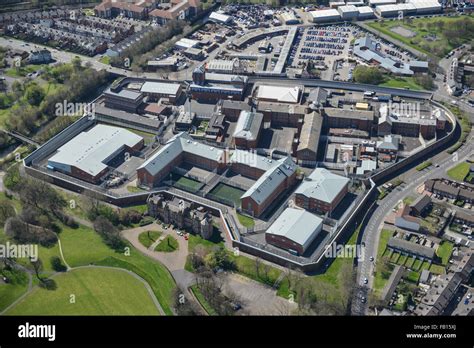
(409, 263)
(402, 82)
(147, 238)
(444, 252)
(413, 276)
(200, 297)
(167, 245)
(459, 172)
(380, 280)
(437, 269)
(96, 291)
(416, 265)
(187, 184)
(245, 221)
(227, 193)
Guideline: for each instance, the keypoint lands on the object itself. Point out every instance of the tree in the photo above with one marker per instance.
(7, 210)
(369, 75)
(34, 94)
(425, 81)
(109, 233)
(37, 267)
(220, 258)
(57, 264)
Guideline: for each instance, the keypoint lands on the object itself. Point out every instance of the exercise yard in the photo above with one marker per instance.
(227, 193)
(187, 184)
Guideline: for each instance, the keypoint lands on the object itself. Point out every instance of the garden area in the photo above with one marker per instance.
(459, 172)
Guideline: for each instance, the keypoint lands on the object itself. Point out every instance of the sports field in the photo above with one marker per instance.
(89, 291)
(227, 193)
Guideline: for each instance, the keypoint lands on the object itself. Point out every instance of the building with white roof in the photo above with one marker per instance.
(279, 94)
(87, 155)
(393, 10)
(321, 191)
(323, 16)
(222, 66)
(366, 12)
(289, 18)
(157, 90)
(374, 3)
(294, 230)
(348, 12)
(220, 18)
(185, 43)
(426, 6)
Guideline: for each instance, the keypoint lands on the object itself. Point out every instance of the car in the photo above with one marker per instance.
(366, 280)
(437, 165)
(371, 259)
(363, 299)
(469, 296)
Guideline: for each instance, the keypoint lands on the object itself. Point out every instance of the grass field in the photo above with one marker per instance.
(437, 269)
(167, 245)
(228, 193)
(380, 280)
(402, 82)
(96, 291)
(423, 27)
(459, 172)
(147, 238)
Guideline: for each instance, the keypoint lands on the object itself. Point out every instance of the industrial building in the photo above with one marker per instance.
(123, 99)
(87, 155)
(321, 191)
(220, 18)
(289, 18)
(294, 230)
(279, 94)
(324, 16)
(374, 3)
(365, 12)
(247, 130)
(426, 6)
(393, 10)
(185, 43)
(348, 12)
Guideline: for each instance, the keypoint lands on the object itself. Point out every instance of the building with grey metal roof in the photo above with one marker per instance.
(411, 248)
(321, 191)
(307, 149)
(322, 16)
(295, 229)
(247, 129)
(86, 155)
(279, 94)
(161, 90)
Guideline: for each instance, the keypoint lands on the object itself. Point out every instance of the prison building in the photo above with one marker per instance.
(123, 99)
(158, 90)
(87, 155)
(232, 109)
(321, 191)
(279, 94)
(270, 185)
(307, 150)
(346, 118)
(179, 149)
(294, 230)
(282, 115)
(248, 129)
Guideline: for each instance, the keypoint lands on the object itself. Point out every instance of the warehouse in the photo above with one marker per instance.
(222, 66)
(279, 94)
(366, 12)
(323, 16)
(374, 3)
(294, 230)
(321, 191)
(86, 155)
(247, 130)
(426, 6)
(184, 44)
(158, 90)
(220, 18)
(395, 10)
(348, 12)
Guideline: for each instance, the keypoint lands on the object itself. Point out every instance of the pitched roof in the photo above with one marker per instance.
(284, 94)
(322, 185)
